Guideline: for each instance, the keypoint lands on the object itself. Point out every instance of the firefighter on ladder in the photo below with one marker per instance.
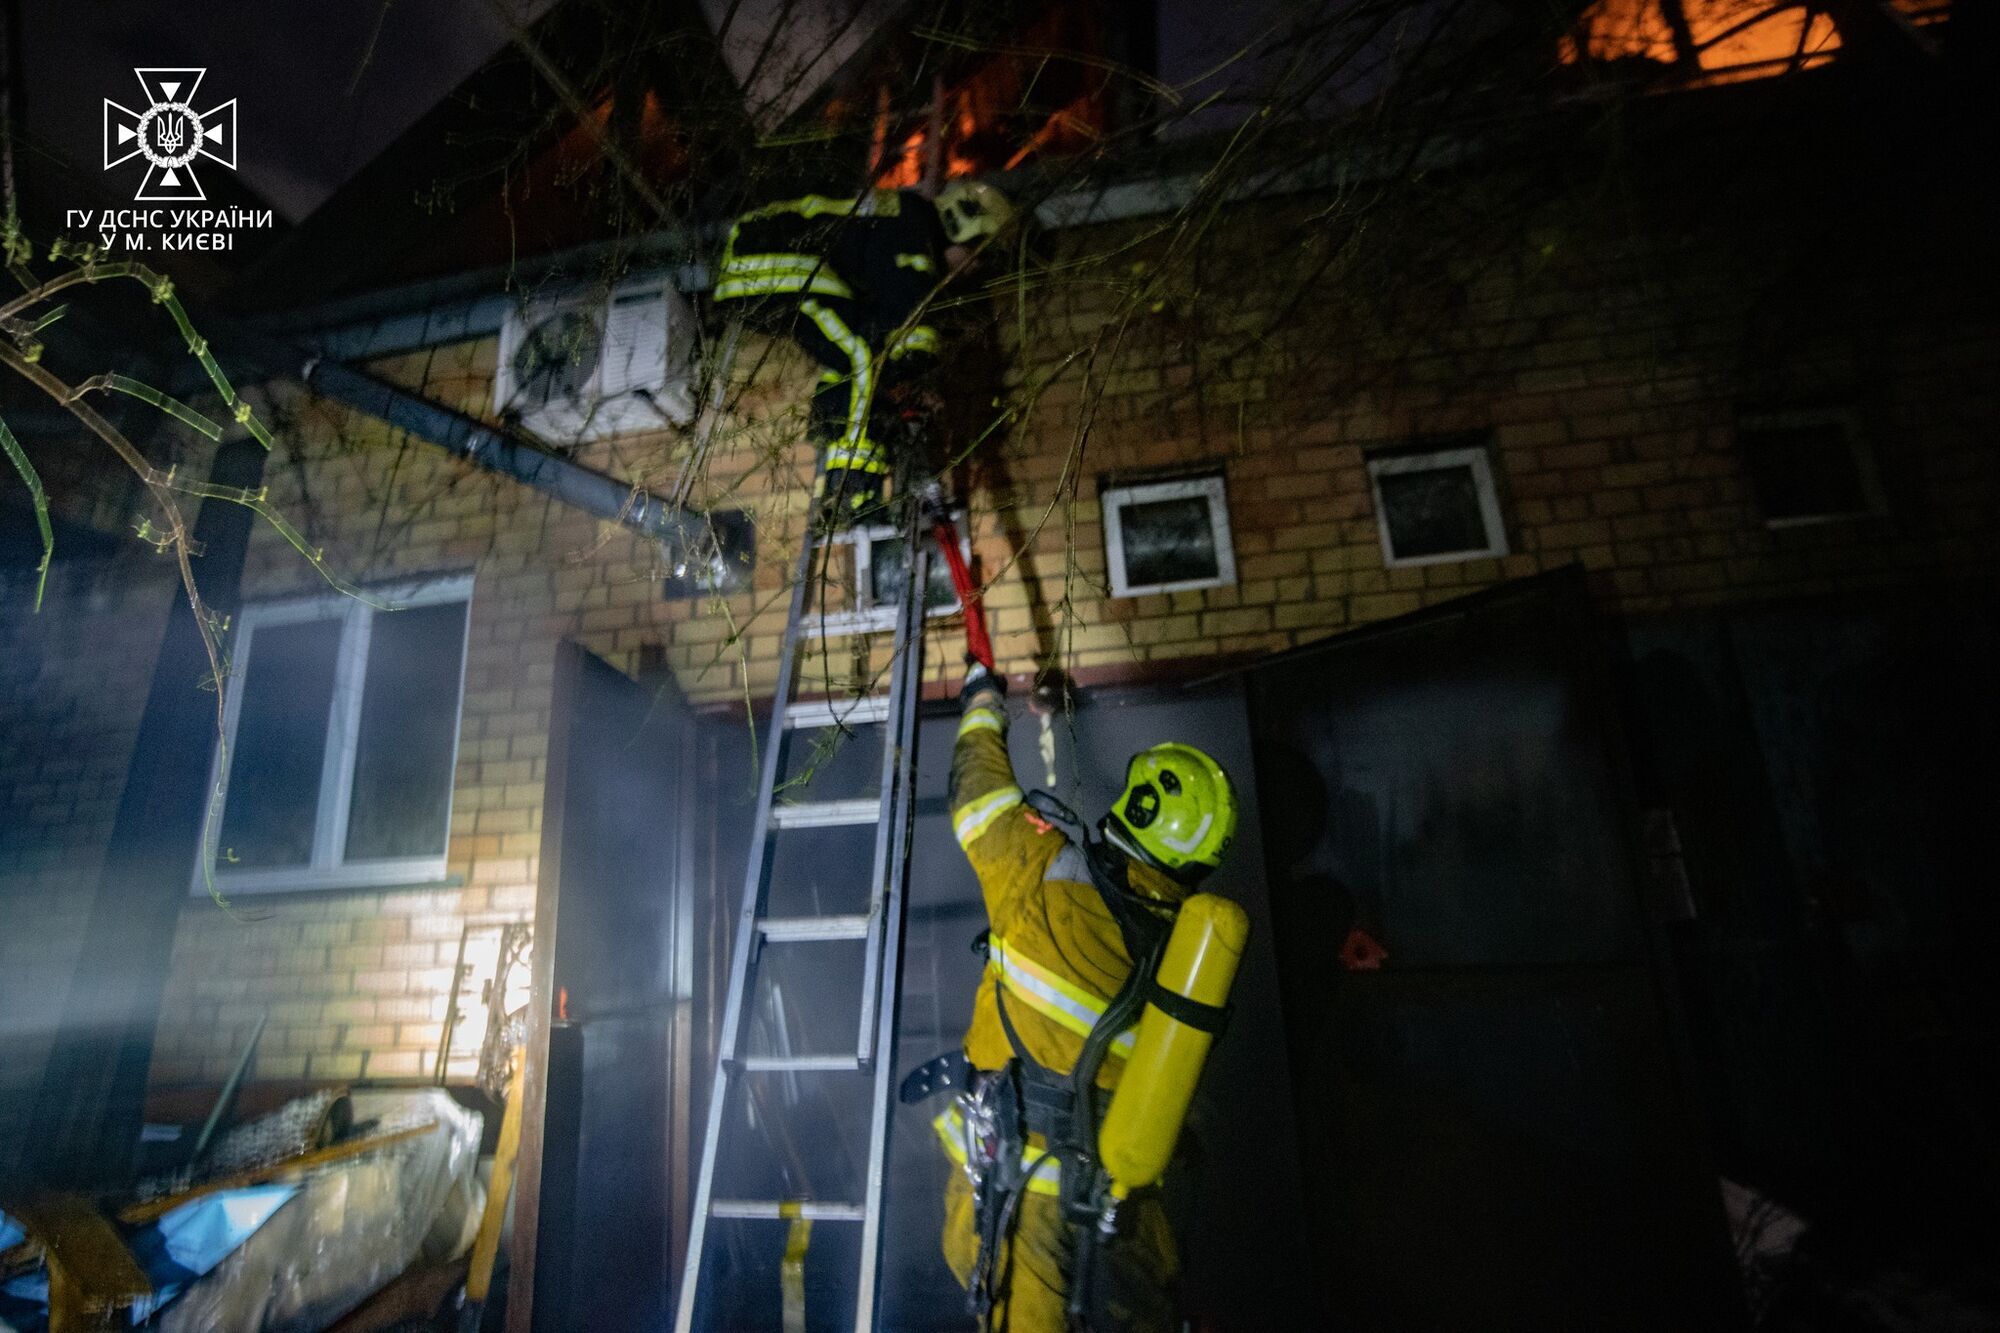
(1084, 932)
(848, 279)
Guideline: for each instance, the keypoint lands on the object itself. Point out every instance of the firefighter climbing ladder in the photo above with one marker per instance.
(780, 1170)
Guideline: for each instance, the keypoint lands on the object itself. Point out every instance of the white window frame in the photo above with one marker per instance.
(1475, 457)
(865, 617)
(1211, 488)
(328, 870)
(1874, 501)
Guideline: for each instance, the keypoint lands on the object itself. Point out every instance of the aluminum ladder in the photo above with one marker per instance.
(781, 1106)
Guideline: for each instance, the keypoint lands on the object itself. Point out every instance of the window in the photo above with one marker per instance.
(1726, 41)
(1436, 506)
(1168, 536)
(881, 571)
(1808, 467)
(342, 729)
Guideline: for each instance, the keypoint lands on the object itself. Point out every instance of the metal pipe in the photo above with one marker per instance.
(583, 488)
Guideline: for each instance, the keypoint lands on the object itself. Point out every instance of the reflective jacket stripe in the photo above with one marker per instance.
(1044, 1173)
(860, 393)
(820, 284)
(862, 455)
(775, 274)
(918, 338)
(1054, 998)
(975, 817)
(980, 719)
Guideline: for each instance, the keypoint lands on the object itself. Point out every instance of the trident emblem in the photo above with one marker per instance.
(170, 134)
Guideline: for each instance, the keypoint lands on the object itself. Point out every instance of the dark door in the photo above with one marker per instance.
(1495, 1125)
(604, 1157)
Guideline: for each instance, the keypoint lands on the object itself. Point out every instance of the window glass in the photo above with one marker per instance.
(1168, 541)
(889, 570)
(409, 720)
(274, 774)
(1432, 512)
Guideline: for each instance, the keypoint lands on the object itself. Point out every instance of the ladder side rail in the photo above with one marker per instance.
(754, 876)
(894, 907)
(893, 787)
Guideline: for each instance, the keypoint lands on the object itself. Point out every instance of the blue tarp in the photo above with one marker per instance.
(173, 1251)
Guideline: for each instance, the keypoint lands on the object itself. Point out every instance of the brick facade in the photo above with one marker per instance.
(1606, 377)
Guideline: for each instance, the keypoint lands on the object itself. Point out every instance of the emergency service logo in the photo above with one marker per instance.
(170, 135)
(172, 138)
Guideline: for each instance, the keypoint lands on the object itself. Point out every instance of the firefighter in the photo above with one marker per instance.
(849, 279)
(1051, 1027)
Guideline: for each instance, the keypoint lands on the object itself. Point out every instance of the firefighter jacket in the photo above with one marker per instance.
(1055, 954)
(858, 273)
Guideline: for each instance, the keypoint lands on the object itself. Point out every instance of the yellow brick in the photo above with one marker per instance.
(394, 1064)
(340, 1065)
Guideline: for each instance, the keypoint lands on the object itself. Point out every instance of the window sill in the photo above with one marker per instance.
(262, 886)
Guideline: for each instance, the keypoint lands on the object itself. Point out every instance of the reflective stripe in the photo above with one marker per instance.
(974, 819)
(1053, 997)
(818, 205)
(1193, 839)
(776, 261)
(864, 456)
(1043, 1171)
(747, 276)
(792, 1270)
(921, 263)
(921, 338)
(981, 719)
(860, 394)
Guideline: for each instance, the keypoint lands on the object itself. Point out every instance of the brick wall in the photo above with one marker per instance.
(1606, 373)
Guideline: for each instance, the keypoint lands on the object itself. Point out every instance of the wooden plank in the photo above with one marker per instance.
(339, 1152)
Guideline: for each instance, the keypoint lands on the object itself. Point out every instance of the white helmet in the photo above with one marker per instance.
(971, 210)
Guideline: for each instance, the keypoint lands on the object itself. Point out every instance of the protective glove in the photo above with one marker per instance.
(978, 681)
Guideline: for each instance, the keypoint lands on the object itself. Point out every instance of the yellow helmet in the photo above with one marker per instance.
(1178, 810)
(971, 210)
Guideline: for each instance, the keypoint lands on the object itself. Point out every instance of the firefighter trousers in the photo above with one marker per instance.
(1135, 1277)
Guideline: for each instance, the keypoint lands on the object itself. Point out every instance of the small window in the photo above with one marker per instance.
(1168, 536)
(342, 728)
(1437, 506)
(881, 571)
(1808, 467)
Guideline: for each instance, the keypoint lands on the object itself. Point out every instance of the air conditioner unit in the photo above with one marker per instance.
(587, 364)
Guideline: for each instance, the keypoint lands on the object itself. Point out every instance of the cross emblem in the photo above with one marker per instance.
(170, 134)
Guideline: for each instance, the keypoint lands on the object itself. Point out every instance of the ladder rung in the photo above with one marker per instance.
(827, 814)
(801, 1064)
(839, 712)
(785, 1212)
(786, 928)
(847, 624)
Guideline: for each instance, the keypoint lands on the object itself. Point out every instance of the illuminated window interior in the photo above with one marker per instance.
(1041, 93)
(1718, 41)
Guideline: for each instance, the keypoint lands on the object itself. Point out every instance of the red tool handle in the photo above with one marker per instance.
(976, 642)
